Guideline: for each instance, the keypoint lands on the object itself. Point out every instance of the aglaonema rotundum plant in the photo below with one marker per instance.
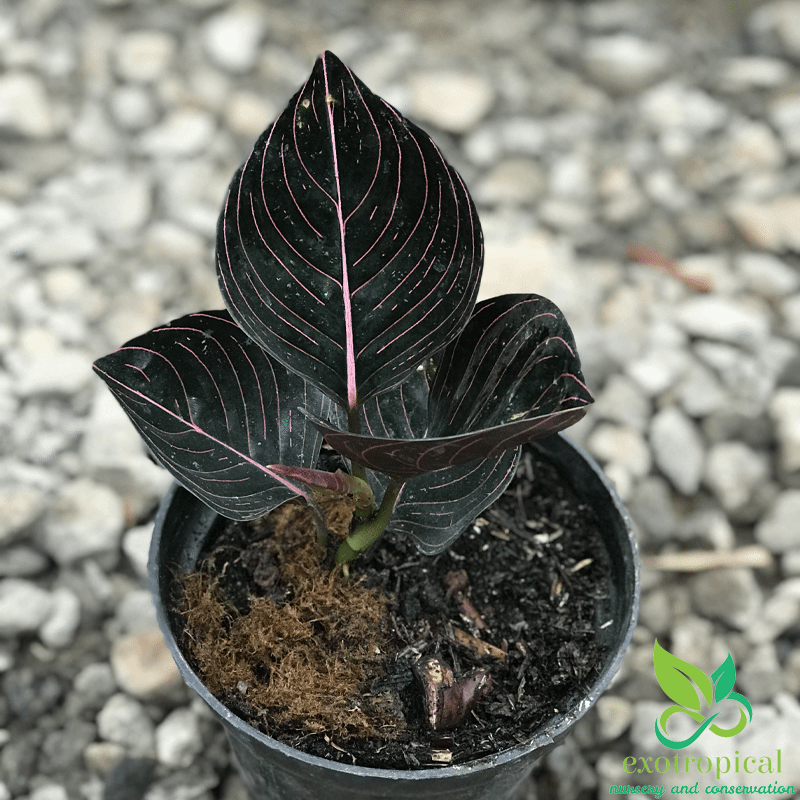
(349, 256)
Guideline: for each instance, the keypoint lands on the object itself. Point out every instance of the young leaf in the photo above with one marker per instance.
(335, 483)
(215, 409)
(676, 678)
(347, 247)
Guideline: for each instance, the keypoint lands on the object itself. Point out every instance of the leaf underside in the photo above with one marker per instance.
(347, 247)
(215, 409)
(434, 509)
(511, 376)
(404, 458)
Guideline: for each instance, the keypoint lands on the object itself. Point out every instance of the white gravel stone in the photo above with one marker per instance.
(625, 63)
(96, 679)
(512, 181)
(59, 629)
(178, 739)
(24, 106)
(743, 73)
(677, 449)
(22, 561)
(709, 526)
(68, 243)
(658, 369)
(185, 132)
(779, 530)
(144, 56)
(94, 133)
(453, 101)
(622, 445)
(784, 113)
(571, 176)
(20, 507)
(780, 613)
(523, 135)
(49, 791)
(249, 114)
(86, 519)
(483, 146)
(49, 370)
(759, 675)
(113, 453)
(614, 716)
(674, 105)
(114, 199)
(622, 401)
(172, 242)
(132, 107)
(699, 392)
(731, 595)
(767, 275)
(651, 506)
(124, 721)
(734, 472)
(748, 379)
(144, 667)
(777, 26)
(136, 546)
(232, 38)
(722, 319)
(101, 757)
(784, 409)
(770, 225)
(23, 606)
(752, 146)
(790, 312)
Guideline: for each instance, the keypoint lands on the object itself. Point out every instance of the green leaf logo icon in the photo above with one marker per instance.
(687, 686)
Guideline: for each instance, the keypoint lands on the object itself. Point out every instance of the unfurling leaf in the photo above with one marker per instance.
(338, 483)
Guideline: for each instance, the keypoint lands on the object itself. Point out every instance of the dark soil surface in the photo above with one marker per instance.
(537, 591)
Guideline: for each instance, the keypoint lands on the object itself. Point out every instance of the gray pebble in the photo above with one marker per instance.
(678, 449)
(124, 720)
(24, 606)
(86, 519)
(61, 626)
(730, 595)
(779, 530)
(178, 739)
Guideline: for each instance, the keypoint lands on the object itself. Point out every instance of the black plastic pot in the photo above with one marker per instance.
(273, 771)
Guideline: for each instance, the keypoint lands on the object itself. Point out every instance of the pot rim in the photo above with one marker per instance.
(563, 720)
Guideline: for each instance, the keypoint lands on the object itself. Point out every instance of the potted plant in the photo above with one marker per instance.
(349, 256)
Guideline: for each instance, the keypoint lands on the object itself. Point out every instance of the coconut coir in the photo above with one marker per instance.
(325, 663)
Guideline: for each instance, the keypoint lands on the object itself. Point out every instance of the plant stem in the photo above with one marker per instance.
(369, 532)
(320, 525)
(357, 470)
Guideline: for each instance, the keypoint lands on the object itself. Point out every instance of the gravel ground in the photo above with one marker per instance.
(581, 129)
